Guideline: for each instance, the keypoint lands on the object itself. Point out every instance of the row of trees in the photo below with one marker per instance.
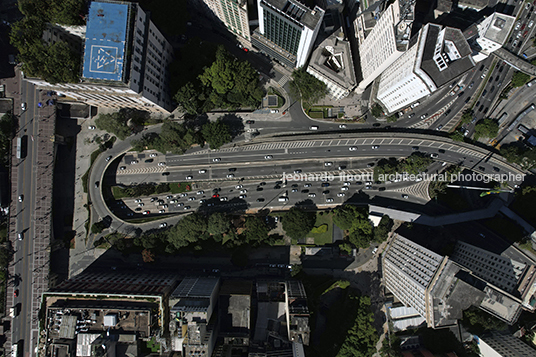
(360, 231)
(54, 62)
(145, 189)
(7, 126)
(226, 84)
(413, 165)
(177, 138)
(520, 154)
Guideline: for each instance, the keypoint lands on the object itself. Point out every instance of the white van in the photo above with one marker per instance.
(283, 199)
(313, 127)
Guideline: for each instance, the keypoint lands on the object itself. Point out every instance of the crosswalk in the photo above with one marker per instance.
(142, 170)
(420, 189)
(283, 80)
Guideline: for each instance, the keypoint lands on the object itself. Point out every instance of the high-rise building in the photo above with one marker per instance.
(125, 62)
(387, 41)
(503, 344)
(489, 35)
(191, 307)
(287, 30)
(438, 288)
(234, 15)
(434, 58)
(331, 61)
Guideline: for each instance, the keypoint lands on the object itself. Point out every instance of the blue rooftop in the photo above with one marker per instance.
(105, 41)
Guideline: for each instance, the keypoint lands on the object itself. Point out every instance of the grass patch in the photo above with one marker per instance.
(527, 246)
(343, 284)
(316, 115)
(146, 219)
(505, 227)
(325, 236)
(118, 192)
(180, 187)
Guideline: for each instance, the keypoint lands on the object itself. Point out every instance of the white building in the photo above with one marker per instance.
(489, 35)
(387, 41)
(287, 30)
(435, 57)
(125, 61)
(497, 344)
(331, 62)
(234, 15)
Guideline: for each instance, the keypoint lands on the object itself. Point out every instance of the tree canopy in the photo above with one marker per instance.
(307, 87)
(414, 164)
(216, 133)
(227, 84)
(188, 230)
(381, 232)
(355, 221)
(486, 128)
(218, 223)
(297, 222)
(519, 79)
(7, 126)
(518, 154)
(115, 123)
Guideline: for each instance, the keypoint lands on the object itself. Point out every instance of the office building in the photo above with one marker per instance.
(387, 41)
(125, 61)
(435, 57)
(438, 288)
(235, 314)
(233, 14)
(503, 344)
(518, 279)
(287, 30)
(191, 325)
(331, 61)
(489, 35)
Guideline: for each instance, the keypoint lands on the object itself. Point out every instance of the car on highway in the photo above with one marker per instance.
(352, 148)
(370, 164)
(242, 196)
(404, 196)
(202, 171)
(146, 212)
(184, 194)
(189, 177)
(149, 161)
(162, 211)
(96, 184)
(268, 157)
(304, 191)
(238, 187)
(153, 155)
(141, 204)
(313, 127)
(16, 293)
(342, 126)
(21, 198)
(230, 175)
(298, 171)
(439, 127)
(137, 200)
(274, 111)
(294, 190)
(531, 23)
(201, 192)
(216, 159)
(108, 158)
(223, 199)
(20, 236)
(134, 162)
(341, 194)
(325, 184)
(424, 116)
(374, 147)
(92, 127)
(325, 192)
(329, 199)
(347, 183)
(307, 185)
(496, 169)
(23, 106)
(471, 85)
(187, 207)
(250, 121)
(344, 188)
(161, 164)
(122, 168)
(415, 148)
(434, 155)
(411, 115)
(180, 204)
(518, 26)
(243, 191)
(312, 194)
(163, 224)
(328, 163)
(215, 195)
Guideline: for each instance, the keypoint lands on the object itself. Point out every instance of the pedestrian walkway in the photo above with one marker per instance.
(283, 80)
(420, 190)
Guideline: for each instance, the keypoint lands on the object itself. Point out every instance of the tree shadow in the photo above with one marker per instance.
(306, 204)
(234, 122)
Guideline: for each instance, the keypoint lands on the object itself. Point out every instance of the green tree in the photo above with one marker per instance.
(519, 79)
(162, 187)
(457, 136)
(467, 116)
(115, 123)
(344, 216)
(381, 232)
(478, 321)
(188, 230)
(391, 346)
(297, 223)
(216, 134)
(307, 87)
(187, 97)
(376, 110)
(362, 337)
(7, 126)
(218, 223)
(486, 128)
(256, 232)
(98, 227)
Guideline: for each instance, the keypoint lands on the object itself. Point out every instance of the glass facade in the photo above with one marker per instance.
(281, 32)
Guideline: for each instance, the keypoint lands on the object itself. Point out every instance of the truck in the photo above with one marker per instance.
(522, 128)
(13, 311)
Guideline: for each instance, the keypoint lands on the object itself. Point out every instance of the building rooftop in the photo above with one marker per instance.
(454, 57)
(475, 4)
(500, 28)
(106, 38)
(297, 11)
(195, 288)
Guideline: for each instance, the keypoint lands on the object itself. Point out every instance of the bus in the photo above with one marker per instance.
(19, 150)
(22, 142)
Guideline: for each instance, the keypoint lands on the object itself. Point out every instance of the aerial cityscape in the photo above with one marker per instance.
(268, 178)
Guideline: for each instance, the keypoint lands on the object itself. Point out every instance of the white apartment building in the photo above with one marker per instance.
(489, 35)
(125, 61)
(387, 41)
(287, 30)
(435, 57)
(234, 14)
